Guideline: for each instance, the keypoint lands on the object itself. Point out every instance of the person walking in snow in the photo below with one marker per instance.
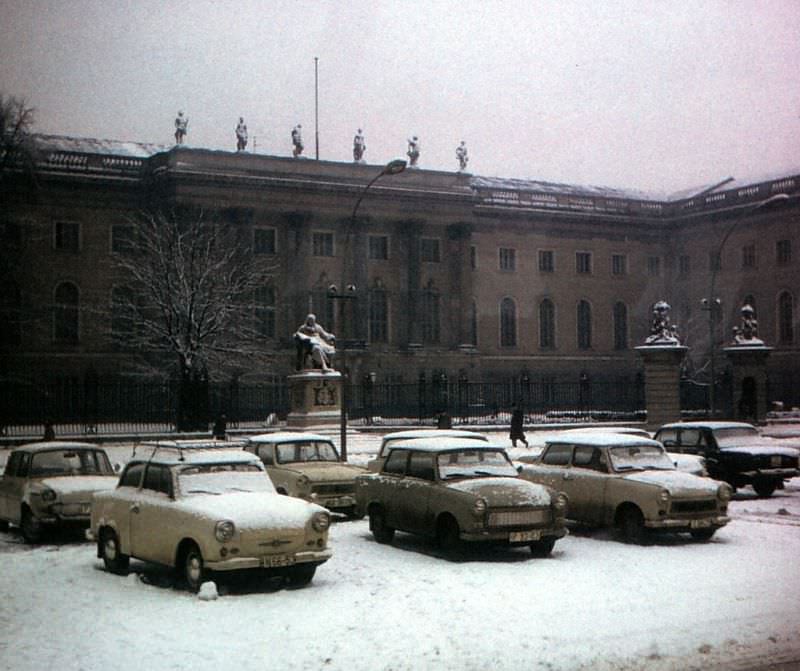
(517, 433)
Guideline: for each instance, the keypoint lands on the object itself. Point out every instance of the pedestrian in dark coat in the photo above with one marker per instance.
(516, 427)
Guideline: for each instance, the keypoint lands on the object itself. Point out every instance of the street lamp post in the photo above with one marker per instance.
(350, 293)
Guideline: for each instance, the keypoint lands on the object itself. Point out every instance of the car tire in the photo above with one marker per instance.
(765, 488)
(114, 560)
(377, 525)
(3, 525)
(702, 534)
(192, 568)
(543, 548)
(631, 526)
(30, 527)
(447, 535)
(302, 574)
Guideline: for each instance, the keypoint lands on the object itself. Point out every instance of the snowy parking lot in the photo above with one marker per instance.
(596, 603)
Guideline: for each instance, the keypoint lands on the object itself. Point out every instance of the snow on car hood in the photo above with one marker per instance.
(762, 449)
(251, 510)
(505, 491)
(76, 484)
(321, 471)
(676, 482)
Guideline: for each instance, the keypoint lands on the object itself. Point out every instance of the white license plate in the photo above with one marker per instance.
(700, 524)
(524, 536)
(275, 561)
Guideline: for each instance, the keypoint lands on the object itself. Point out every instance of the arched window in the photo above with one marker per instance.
(547, 324)
(785, 318)
(378, 315)
(584, 315)
(10, 313)
(508, 323)
(620, 325)
(430, 316)
(65, 313)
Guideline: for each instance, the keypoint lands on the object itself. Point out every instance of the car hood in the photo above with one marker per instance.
(322, 471)
(251, 510)
(762, 449)
(80, 484)
(504, 491)
(676, 482)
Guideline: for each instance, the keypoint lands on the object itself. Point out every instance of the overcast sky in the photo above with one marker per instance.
(657, 96)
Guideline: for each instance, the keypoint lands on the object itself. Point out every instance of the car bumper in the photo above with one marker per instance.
(270, 561)
(335, 502)
(515, 537)
(771, 473)
(688, 525)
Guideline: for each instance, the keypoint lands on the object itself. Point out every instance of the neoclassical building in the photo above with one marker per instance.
(449, 273)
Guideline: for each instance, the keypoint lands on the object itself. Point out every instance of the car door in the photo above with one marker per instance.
(413, 494)
(587, 483)
(150, 516)
(389, 486)
(10, 489)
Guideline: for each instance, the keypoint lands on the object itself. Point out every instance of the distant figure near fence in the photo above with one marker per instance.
(517, 422)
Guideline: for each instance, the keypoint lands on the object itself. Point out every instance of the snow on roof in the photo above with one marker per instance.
(708, 425)
(443, 444)
(537, 186)
(434, 433)
(176, 451)
(603, 439)
(57, 445)
(287, 437)
(84, 145)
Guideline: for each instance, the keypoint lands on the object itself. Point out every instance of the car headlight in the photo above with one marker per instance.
(48, 495)
(479, 507)
(224, 531)
(303, 482)
(724, 492)
(321, 521)
(560, 503)
(663, 496)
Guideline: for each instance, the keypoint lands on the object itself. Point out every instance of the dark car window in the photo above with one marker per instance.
(668, 437)
(265, 453)
(132, 475)
(11, 464)
(557, 455)
(692, 438)
(589, 457)
(24, 465)
(420, 465)
(157, 478)
(396, 463)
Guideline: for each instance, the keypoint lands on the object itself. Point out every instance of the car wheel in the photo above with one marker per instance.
(631, 525)
(302, 574)
(377, 525)
(764, 488)
(31, 528)
(193, 568)
(543, 548)
(3, 525)
(702, 534)
(114, 560)
(447, 535)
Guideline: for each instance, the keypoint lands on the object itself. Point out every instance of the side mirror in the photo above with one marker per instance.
(117, 467)
(519, 468)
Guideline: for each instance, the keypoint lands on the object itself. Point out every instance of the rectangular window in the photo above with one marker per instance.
(654, 266)
(547, 261)
(66, 236)
(684, 266)
(619, 264)
(378, 316)
(429, 250)
(783, 252)
(122, 238)
(583, 262)
(378, 247)
(264, 241)
(264, 311)
(322, 243)
(749, 256)
(508, 259)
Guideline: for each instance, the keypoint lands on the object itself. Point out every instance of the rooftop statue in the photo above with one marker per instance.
(359, 147)
(661, 331)
(315, 346)
(241, 135)
(297, 140)
(747, 332)
(413, 152)
(461, 155)
(181, 128)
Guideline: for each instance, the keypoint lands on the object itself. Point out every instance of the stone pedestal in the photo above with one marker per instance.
(315, 398)
(662, 382)
(749, 367)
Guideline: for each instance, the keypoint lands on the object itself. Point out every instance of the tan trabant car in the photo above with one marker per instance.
(307, 466)
(630, 483)
(48, 485)
(456, 489)
(391, 439)
(203, 508)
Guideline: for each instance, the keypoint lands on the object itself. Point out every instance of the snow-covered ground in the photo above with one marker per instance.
(731, 603)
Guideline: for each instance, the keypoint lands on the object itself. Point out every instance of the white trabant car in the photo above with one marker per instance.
(49, 485)
(307, 465)
(391, 439)
(204, 507)
(630, 483)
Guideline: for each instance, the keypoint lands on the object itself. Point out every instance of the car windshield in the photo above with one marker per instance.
(223, 478)
(70, 461)
(640, 458)
(474, 464)
(307, 450)
(732, 437)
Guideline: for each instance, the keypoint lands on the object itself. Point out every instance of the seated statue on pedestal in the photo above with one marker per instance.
(315, 346)
(661, 331)
(747, 332)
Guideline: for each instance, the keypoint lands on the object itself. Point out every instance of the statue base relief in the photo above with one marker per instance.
(315, 398)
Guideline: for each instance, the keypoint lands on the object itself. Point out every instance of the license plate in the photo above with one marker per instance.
(524, 536)
(275, 561)
(700, 524)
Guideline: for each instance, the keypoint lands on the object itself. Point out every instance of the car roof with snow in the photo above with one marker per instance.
(288, 437)
(57, 445)
(610, 439)
(708, 425)
(435, 433)
(625, 430)
(194, 452)
(444, 444)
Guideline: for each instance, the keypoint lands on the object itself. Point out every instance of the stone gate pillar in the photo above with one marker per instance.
(748, 356)
(315, 398)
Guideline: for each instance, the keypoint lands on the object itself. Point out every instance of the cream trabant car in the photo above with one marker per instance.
(307, 466)
(629, 482)
(203, 508)
(457, 489)
(48, 485)
(391, 439)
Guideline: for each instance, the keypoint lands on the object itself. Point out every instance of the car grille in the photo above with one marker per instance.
(82, 509)
(695, 506)
(777, 461)
(519, 518)
(334, 489)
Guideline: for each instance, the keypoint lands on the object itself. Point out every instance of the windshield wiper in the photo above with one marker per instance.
(626, 467)
(455, 475)
(202, 491)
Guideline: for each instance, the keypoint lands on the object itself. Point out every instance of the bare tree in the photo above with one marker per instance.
(188, 297)
(16, 143)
